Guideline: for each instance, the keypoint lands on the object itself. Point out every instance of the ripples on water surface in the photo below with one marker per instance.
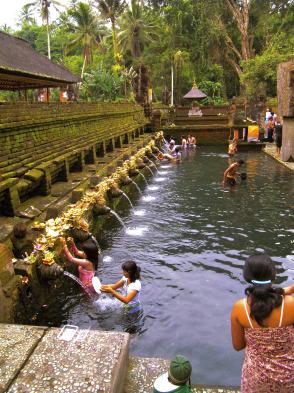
(191, 256)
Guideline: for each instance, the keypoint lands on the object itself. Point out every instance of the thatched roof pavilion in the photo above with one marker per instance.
(195, 93)
(21, 67)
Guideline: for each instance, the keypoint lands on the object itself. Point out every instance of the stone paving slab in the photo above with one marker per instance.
(142, 373)
(17, 342)
(96, 364)
(270, 149)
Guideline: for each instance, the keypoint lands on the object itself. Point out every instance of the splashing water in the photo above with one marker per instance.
(137, 231)
(128, 199)
(138, 188)
(163, 172)
(148, 198)
(106, 302)
(147, 184)
(107, 258)
(165, 166)
(153, 188)
(78, 281)
(139, 212)
(118, 218)
(160, 179)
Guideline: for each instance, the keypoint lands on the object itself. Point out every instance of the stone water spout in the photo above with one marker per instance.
(133, 172)
(126, 180)
(100, 210)
(50, 271)
(114, 192)
(140, 164)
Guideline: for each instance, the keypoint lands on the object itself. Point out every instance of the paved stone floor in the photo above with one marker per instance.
(35, 360)
(270, 149)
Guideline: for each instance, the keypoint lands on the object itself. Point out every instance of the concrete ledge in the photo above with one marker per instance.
(37, 361)
(270, 149)
(17, 343)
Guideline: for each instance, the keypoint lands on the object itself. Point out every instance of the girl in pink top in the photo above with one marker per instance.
(86, 260)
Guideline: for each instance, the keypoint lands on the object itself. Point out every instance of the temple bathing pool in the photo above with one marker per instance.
(191, 236)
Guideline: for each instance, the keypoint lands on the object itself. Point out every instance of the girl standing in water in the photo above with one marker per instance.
(86, 260)
(262, 323)
(131, 284)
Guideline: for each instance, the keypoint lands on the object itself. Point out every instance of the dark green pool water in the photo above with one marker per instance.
(191, 236)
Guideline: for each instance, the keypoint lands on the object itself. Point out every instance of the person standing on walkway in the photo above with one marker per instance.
(278, 135)
(262, 323)
(270, 129)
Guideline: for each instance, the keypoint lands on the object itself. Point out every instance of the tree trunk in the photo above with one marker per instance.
(140, 82)
(48, 36)
(84, 65)
(114, 40)
(241, 17)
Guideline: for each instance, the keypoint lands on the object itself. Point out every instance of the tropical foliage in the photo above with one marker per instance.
(123, 48)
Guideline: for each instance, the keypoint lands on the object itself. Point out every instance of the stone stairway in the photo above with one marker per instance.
(35, 360)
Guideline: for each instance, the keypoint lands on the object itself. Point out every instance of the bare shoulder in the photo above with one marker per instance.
(289, 301)
(237, 308)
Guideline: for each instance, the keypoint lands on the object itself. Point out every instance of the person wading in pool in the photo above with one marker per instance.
(131, 284)
(230, 174)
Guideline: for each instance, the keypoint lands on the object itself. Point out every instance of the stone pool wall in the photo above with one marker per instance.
(41, 144)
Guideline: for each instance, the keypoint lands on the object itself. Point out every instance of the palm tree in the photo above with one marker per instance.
(112, 9)
(134, 33)
(43, 7)
(26, 15)
(89, 32)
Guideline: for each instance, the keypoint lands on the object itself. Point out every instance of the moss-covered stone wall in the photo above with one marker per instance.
(41, 143)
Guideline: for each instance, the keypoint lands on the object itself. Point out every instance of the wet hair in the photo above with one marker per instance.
(133, 269)
(240, 162)
(20, 230)
(91, 250)
(177, 149)
(264, 297)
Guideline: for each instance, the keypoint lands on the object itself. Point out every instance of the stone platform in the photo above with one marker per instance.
(270, 149)
(35, 360)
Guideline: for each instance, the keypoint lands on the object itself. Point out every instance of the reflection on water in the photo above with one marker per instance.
(139, 212)
(192, 258)
(138, 231)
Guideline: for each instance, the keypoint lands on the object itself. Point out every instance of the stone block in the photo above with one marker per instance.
(52, 212)
(98, 363)
(17, 342)
(77, 195)
(94, 180)
(35, 175)
(6, 265)
(285, 87)
(110, 170)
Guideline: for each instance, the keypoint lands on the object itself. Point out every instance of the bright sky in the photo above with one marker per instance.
(10, 10)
